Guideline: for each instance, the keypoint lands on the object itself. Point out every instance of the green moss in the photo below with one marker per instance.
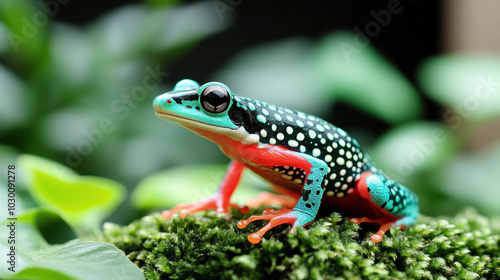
(209, 246)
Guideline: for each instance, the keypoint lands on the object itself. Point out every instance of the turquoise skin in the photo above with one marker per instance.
(299, 154)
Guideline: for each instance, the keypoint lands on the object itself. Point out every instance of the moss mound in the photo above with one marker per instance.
(209, 246)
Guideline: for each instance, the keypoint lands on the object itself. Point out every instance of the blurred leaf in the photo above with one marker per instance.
(76, 260)
(409, 149)
(14, 108)
(156, 29)
(474, 179)
(278, 73)
(27, 25)
(361, 76)
(83, 200)
(468, 84)
(189, 184)
(4, 41)
(49, 223)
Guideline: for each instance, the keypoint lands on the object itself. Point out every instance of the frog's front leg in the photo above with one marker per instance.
(219, 200)
(398, 204)
(308, 204)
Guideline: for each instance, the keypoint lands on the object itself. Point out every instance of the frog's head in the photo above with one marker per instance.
(210, 110)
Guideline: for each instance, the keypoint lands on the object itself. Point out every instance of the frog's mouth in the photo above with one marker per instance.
(186, 121)
(204, 129)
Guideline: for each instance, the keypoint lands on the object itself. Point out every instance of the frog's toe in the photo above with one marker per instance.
(385, 225)
(275, 218)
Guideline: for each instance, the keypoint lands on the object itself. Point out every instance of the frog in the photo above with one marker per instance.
(300, 155)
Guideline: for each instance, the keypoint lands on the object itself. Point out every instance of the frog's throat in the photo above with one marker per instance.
(239, 134)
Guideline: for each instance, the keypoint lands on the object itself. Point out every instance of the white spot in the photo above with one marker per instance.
(335, 145)
(300, 123)
(271, 107)
(340, 195)
(341, 152)
(340, 160)
(342, 172)
(316, 152)
(328, 158)
(301, 115)
(289, 118)
(302, 149)
(355, 157)
(293, 143)
(337, 184)
(288, 111)
(312, 118)
(329, 149)
(280, 136)
(278, 117)
(251, 106)
(342, 132)
(348, 164)
(323, 141)
(290, 172)
(300, 136)
(274, 127)
(263, 133)
(349, 179)
(342, 142)
(348, 154)
(286, 177)
(312, 134)
(330, 136)
(359, 164)
(289, 130)
(349, 191)
(298, 181)
(310, 123)
(320, 128)
(272, 141)
(344, 187)
(261, 118)
(333, 176)
(330, 193)
(265, 112)
(360, 155)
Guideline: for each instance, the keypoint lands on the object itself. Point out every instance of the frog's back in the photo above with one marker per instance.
(307, 134)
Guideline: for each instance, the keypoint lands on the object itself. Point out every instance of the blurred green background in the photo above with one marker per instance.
(78, 79)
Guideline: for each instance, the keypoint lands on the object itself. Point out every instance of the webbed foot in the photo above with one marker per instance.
(276, 218)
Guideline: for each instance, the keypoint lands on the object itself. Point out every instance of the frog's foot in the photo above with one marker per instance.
(385, 225)
(267, 198)
(216, 202)
(276, 218)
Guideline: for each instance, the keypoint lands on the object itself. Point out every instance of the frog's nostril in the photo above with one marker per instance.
(169, 101)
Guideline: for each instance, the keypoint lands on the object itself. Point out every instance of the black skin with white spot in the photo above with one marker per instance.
(309, 135)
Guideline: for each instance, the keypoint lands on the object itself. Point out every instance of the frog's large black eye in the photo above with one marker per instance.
(215, 99)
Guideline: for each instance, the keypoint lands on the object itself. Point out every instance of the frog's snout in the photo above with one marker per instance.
(162, 102)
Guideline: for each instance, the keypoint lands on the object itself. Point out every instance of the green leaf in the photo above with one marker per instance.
(468, 84)
(49, 223)
(74, 260)
(83, 200)
(189, 184)
(473, 179)
(409, 149)
(359, 75)
(14, 108)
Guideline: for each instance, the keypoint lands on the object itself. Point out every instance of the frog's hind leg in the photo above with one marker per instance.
(398, 205)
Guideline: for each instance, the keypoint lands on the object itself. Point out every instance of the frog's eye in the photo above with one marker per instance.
(215, 99)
